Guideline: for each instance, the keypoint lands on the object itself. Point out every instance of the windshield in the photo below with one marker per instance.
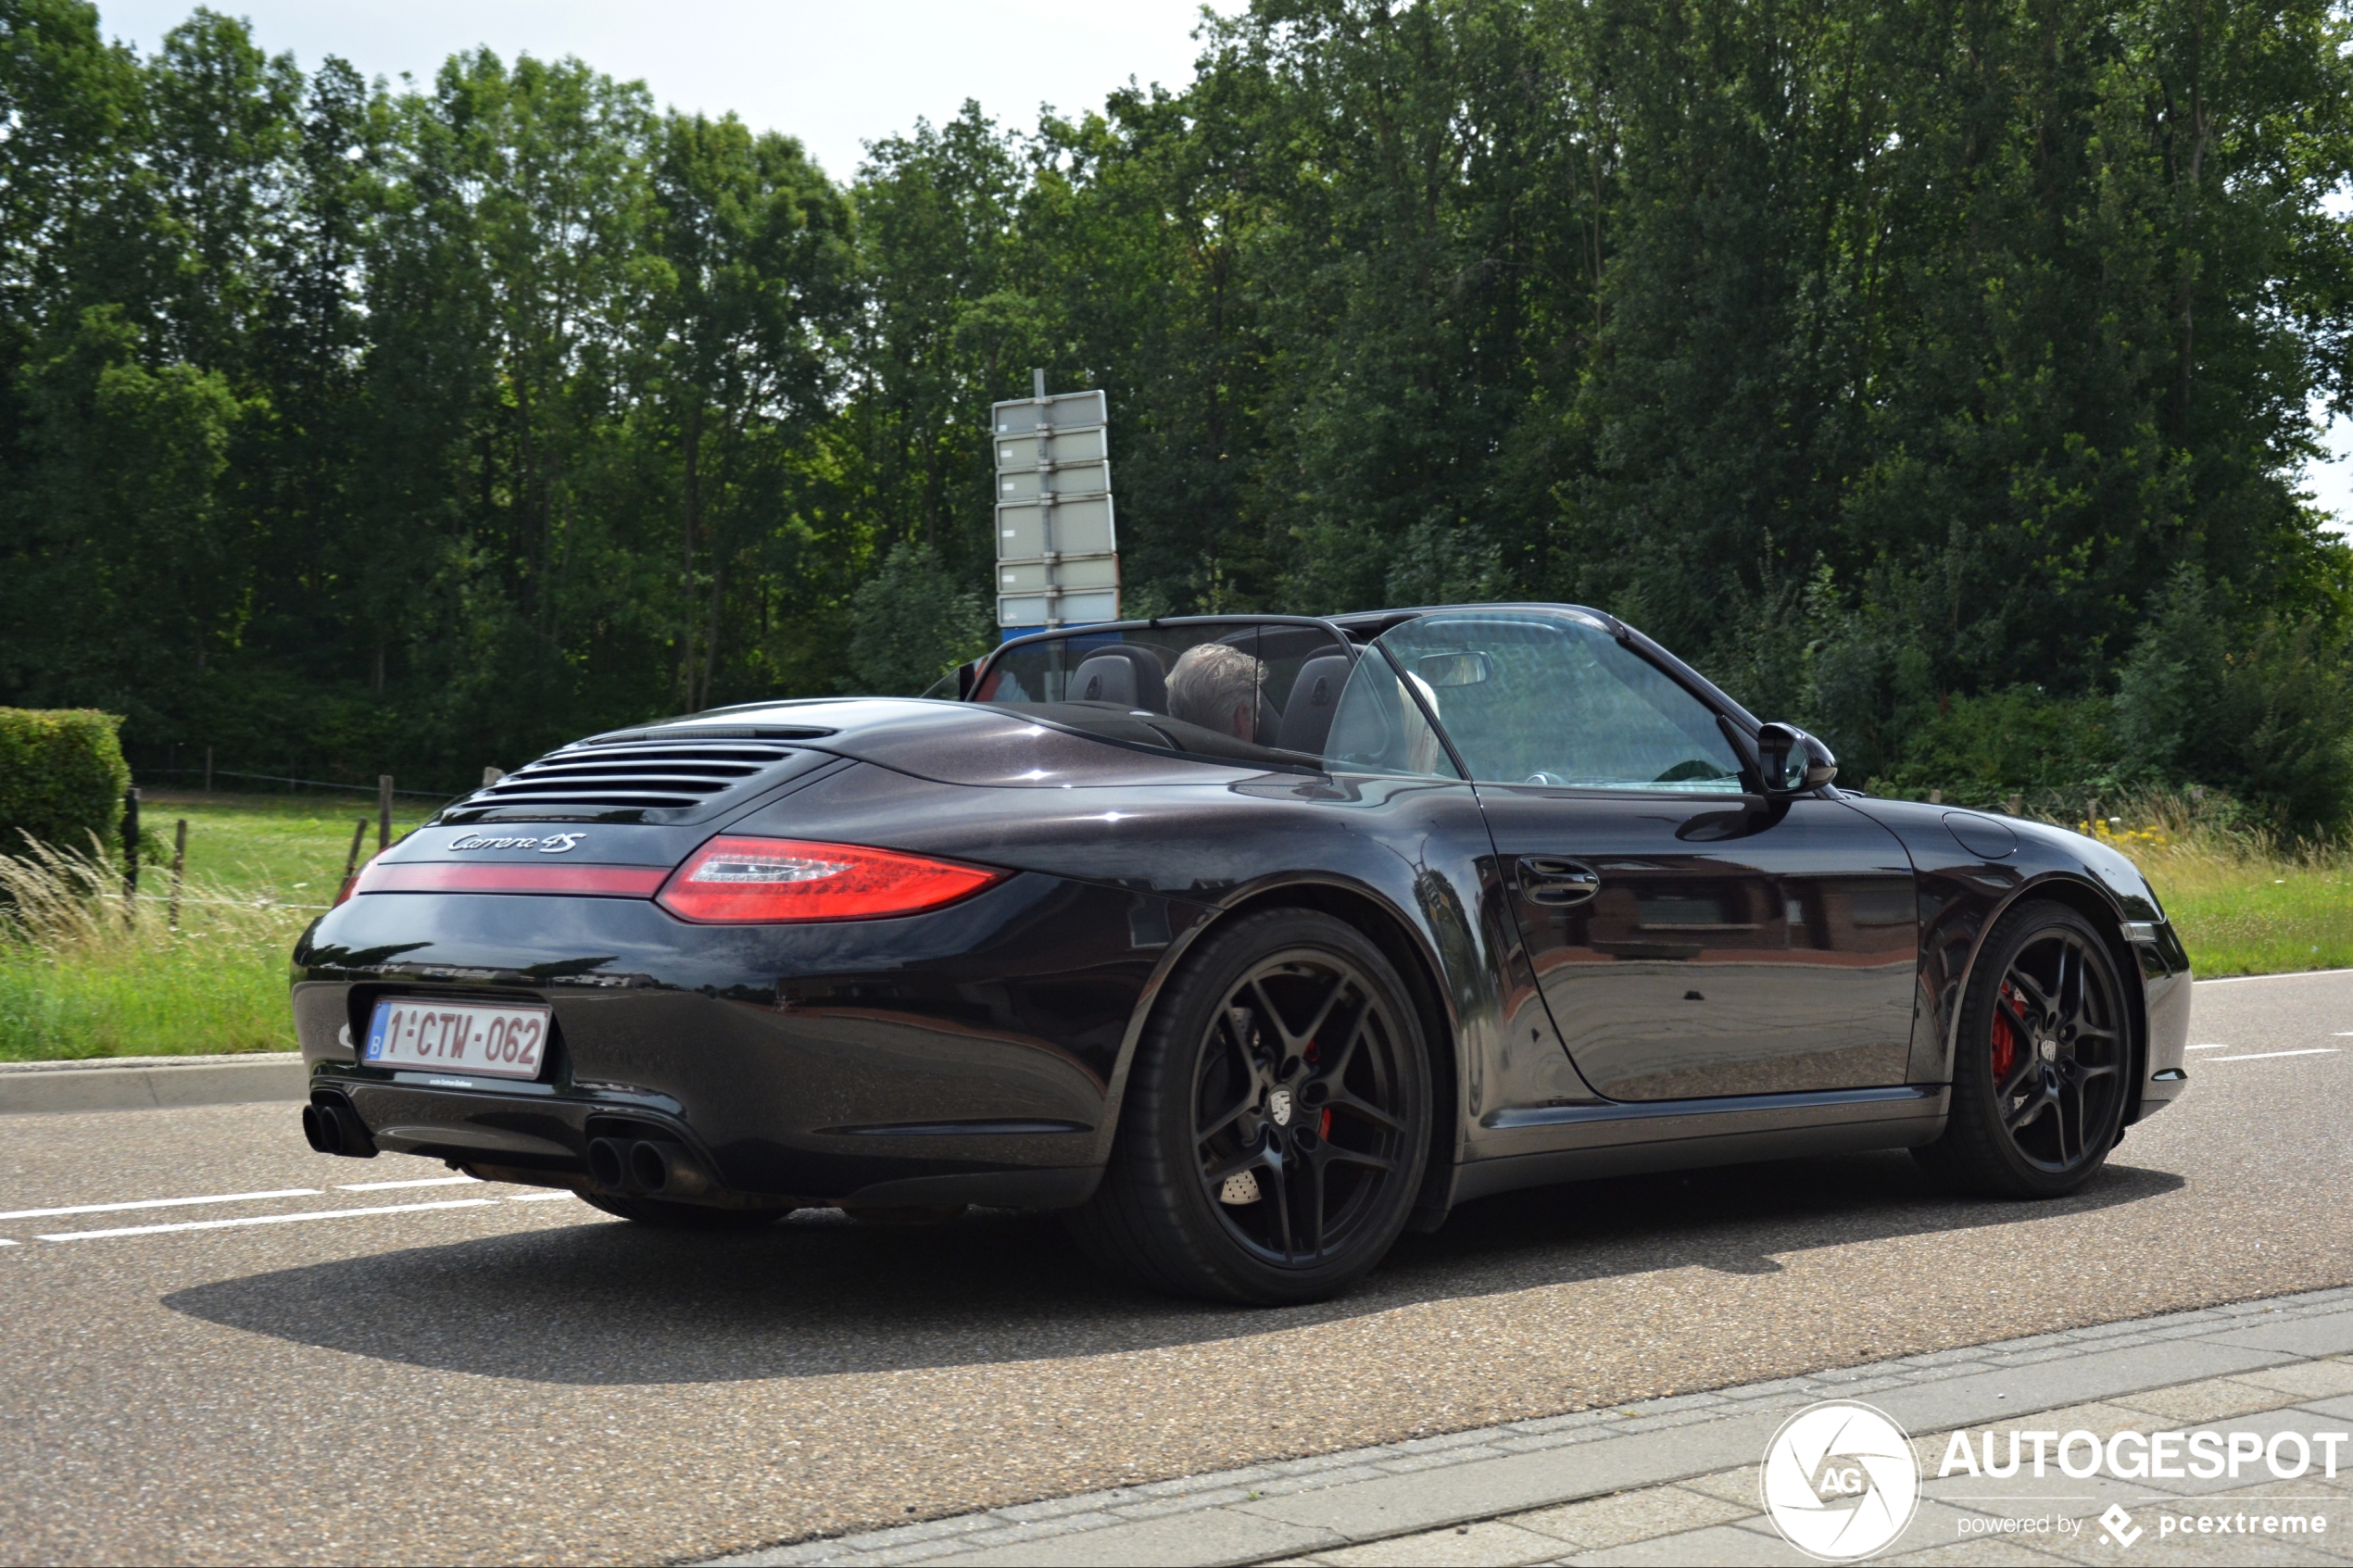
(1236, 687)
(1545, 698)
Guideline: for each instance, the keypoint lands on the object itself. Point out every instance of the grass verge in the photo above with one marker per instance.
(2246, 906)
(77, 980)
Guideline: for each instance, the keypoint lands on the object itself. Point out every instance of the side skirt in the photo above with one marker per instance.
(1571, 1142)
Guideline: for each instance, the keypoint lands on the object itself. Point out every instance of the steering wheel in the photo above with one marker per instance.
(1545, 779)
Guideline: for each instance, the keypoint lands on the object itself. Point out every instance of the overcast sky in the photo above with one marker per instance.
(835, 75)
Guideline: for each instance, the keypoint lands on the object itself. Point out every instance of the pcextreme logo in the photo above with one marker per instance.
(1840, 1481)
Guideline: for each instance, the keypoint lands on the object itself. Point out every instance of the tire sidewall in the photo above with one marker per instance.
(1972, 1070)
(1172, 1047)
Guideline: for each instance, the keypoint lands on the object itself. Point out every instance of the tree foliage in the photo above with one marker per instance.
(1924, 371)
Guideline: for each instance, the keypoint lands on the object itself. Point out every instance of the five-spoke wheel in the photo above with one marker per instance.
(1297, 1106)
(2042, 1068)
(1276, 1120)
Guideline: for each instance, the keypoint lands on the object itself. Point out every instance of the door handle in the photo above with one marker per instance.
(1555, 882)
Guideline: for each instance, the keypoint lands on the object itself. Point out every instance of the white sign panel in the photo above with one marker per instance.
(1057, 549)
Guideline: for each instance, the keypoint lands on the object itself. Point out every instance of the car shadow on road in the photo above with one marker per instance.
(603, 1303)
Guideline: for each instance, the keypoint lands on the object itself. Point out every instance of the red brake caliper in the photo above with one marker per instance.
(2004, 1041)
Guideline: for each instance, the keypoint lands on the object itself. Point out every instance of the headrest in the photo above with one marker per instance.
(1131, 677)
(1315, 697)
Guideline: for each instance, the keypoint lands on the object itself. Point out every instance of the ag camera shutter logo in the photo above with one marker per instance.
(1840, 1481)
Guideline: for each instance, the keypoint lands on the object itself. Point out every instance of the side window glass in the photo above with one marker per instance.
(1378, 729)
(1533, 698)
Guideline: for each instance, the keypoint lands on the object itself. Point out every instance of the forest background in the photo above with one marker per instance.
(1934, 373)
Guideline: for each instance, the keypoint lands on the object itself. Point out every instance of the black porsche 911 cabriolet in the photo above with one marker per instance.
(1247, 941)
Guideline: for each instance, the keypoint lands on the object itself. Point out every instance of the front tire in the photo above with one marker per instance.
(1275, 1122)
(2042, 1065)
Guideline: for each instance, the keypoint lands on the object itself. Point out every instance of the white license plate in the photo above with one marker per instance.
(475, 1037)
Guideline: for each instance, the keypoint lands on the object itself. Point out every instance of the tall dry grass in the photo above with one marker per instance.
(2245, 900)
(84, 973)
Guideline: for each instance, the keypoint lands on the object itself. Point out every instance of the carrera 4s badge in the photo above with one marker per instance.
(554, 843)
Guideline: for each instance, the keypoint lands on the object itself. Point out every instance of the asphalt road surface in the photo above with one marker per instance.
(322, 1359)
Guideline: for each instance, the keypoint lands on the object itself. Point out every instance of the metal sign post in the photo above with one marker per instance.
(1057, 553)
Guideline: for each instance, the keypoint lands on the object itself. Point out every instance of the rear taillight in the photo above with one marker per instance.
(592, 882)
(763, 881)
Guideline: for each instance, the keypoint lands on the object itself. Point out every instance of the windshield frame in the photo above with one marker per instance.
(1360, 633)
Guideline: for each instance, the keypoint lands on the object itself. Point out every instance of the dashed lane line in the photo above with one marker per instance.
(422, 1182)
(2266, 1056)
(288, 1219)
(272, 1219)
(159, 1203)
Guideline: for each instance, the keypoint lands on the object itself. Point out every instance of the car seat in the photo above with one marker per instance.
(1128, 676)
(1315, 697)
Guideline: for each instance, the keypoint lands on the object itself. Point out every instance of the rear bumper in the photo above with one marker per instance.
(965, 1056)
(530, 1133)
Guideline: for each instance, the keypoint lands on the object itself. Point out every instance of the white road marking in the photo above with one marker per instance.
(159, 1203)
(541, 1197)
(387, 1186)
(273, 1219)
(4, 1242)
(2291, 974)
(2265, 1056)
(2218, 1045)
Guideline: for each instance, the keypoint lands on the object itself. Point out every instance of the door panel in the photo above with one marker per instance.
(1690, 940)
(1690, 948)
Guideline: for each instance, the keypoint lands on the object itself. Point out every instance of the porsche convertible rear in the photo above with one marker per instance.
(684, 1023)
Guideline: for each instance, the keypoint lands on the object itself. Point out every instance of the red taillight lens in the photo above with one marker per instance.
(763, 881)
(592, 882)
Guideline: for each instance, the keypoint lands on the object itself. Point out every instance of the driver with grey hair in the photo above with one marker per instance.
(1215, 685)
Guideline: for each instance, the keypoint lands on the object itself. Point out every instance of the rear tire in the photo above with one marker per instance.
(1277, 1119)
(2043, 1064)
(664, 1215)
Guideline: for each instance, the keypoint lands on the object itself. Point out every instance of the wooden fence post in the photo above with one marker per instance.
(178, 861)
(384, 812)
(351, 861)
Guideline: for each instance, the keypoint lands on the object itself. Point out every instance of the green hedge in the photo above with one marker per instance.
(62, 777)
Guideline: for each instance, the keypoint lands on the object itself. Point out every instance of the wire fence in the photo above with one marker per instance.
(368, 790)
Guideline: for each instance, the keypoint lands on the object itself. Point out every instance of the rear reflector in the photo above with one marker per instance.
(763, 881)
(589, 882)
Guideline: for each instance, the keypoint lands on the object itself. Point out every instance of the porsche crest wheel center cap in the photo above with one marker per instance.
(2050, 1050)
(1279, 1107)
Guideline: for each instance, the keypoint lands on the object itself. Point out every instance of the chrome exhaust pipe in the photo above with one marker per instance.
(609, 1164)
(666, 1168)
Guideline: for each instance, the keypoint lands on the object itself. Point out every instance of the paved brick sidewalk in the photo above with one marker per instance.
(1674, 1480)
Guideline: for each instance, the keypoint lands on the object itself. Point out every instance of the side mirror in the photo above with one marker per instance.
(1792, 760)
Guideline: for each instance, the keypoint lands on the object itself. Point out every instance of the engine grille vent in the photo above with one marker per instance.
(618, 780)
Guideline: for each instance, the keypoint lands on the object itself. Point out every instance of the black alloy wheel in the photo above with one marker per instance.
(2043, 1064)
(1277, 1119)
